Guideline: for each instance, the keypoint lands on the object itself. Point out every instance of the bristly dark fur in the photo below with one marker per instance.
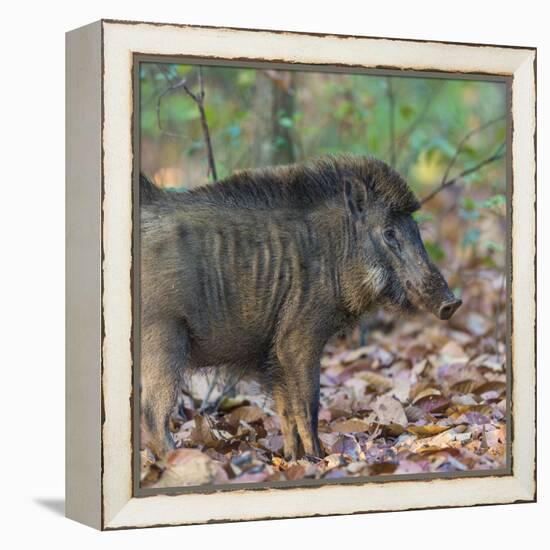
(302, 185)
(148, 191)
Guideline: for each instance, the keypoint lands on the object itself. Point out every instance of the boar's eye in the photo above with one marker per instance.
(389, 235)
(390, 238)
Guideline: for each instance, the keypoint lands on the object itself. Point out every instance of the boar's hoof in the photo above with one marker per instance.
(447, 309)
(314, 459)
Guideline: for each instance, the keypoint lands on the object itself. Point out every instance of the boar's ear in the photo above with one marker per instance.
(355, 195)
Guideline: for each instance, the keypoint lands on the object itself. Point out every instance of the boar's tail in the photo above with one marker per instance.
(148, 191)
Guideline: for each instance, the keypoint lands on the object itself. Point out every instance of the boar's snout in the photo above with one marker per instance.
(447, 309)
(434, 295)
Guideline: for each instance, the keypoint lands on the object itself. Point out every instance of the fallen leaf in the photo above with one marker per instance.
(186, 467)
(389, 410)
(249, 413)
(392, 430)
(426, 393)
(202, 433)
(351, 425)
(464, 386)
(377, 381)
(433, 403)
(453, 350)
(477, 324)
(493, 386)
(384, 468)
(347, 446)
(414, 413)
(273, 443)
(427, 429)
(358, 467)
(358, 353)
(332, 461)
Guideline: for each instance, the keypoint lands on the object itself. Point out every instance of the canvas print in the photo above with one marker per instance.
(322, 277)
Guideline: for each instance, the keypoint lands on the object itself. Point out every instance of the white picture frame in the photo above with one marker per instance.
(99, 389)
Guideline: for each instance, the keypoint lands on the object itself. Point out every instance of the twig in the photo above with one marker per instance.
(464, 140)
(198, 98)
(229, 385)
(211, 385)
(497, 155)
(391, 101)
(205, 128)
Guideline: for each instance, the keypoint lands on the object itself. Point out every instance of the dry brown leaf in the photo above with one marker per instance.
(477, 324)
(433, 403)
(392, 430)
(295, 471)
(383, 468)
(494, 386)
(454, 351)
(356, 354)
(358, 467)
(351, 425)
(389, 410)
(202, 434)
(427, 430)
(414, 413)
(401, 389)
(464, 386)
(331, 461)
(425, 393)
(377, 381)
(492, 362)
(249, 413)
(348, 447)
(273, 443)
(186, 467)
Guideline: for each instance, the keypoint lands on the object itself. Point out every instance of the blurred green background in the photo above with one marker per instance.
(429, 129)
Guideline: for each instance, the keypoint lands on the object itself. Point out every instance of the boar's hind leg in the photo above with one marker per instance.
(163, 353)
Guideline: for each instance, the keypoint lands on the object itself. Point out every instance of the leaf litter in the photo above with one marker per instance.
(423, 397)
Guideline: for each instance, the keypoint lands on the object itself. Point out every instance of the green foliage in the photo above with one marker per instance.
(437, 254)
(493, 202)
(309, 114)
(423, 217)
(471, 237)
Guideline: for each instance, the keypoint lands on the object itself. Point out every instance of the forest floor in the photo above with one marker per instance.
(423, 396)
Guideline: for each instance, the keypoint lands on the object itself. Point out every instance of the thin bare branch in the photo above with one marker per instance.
(464, 140)
(205, 129)
(169, 90)
(199, 101)
(497, 155)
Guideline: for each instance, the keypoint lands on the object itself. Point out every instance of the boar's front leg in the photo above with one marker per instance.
(300, 368)
(291, 440)
(163, 352)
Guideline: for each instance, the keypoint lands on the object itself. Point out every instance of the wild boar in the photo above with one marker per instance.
(258, 271)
